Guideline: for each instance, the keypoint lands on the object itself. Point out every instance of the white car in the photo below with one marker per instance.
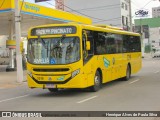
(156, 53)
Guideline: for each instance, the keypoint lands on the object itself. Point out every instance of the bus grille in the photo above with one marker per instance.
(52, 70)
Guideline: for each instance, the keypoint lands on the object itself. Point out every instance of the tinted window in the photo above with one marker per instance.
(114, 43)
(135, 44)
(126, 47)
(108, 43)
(100, 42)
(111, 44)
(131, 44)
(118, 42)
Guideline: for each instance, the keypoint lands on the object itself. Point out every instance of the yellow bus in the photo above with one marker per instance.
(80, 56)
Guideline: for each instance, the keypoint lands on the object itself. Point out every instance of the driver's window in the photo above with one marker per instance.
(84, 41)
(91, 40)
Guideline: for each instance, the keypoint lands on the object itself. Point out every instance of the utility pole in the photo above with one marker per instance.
(142, 38)
(130, 15)
(18, 39)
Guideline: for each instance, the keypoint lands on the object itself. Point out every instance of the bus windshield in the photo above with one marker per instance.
(62, 50)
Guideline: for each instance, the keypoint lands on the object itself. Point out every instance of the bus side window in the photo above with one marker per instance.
(135, 44)
(95, 36)
(132, 44)
(119, 43)
(126, 44)
(100, 43)
(111, 45)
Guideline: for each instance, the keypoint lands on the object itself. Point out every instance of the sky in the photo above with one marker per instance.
(136, 4)
(144, 4)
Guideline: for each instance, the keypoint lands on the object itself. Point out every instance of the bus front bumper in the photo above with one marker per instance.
(79, 81)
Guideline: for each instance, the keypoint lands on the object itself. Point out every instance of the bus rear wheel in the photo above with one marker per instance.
(53, 89)
(128, 73)
(97, 82)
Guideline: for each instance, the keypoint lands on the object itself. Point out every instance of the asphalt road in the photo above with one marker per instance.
(140, 93)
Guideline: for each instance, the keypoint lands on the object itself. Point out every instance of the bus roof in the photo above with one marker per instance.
(109, 29)
(108, 26)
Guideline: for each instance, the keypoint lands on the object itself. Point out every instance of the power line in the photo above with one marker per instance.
(108, 20)
(81, 13)
(101, 20)
(147, 3)
(77, 11)
(98, 7)
(71, 13)
(2, 3)
(50, 4)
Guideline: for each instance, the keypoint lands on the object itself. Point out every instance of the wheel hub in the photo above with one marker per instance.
(96, 80)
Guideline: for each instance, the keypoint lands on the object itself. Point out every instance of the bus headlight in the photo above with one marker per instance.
(29, 73)
(76, 72)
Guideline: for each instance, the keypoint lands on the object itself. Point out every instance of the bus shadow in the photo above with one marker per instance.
(62, 93)
(79, 92)
(117, 82)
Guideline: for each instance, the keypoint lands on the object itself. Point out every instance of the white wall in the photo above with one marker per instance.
(156, 12)
(155, 36)
(101, 9)
(124, 12)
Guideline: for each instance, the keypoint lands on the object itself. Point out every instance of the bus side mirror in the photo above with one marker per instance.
(88, 45)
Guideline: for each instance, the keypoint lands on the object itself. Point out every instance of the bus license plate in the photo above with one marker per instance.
(50, 86)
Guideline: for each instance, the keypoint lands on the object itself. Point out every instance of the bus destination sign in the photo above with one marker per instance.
(53, 30)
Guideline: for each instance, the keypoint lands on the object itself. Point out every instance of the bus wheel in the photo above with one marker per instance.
(128, 73)
(97, 82)
(53, 89)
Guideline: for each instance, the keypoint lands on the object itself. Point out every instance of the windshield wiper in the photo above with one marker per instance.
(60, 40)
(59, 43)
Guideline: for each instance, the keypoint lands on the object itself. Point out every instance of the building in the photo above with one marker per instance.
(156, 12)
(153, 31)
(110, 12)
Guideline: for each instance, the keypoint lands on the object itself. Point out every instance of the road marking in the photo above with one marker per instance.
(134, 81)
(14, 98)
(86, 99)
(156, 72)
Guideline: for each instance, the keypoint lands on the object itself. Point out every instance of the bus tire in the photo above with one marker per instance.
(53, 89)
(128, 73)
(97, 82)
